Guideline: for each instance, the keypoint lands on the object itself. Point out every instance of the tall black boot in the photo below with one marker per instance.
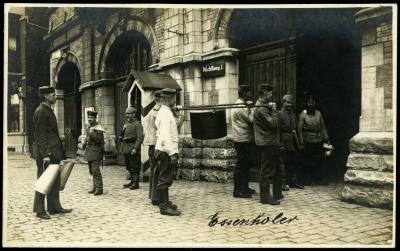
(277, 191)
(265, 195)
(165, 207)
(135, 184)
(132, 180)
(238, 191)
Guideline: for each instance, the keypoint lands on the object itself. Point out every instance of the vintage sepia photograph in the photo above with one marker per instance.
(194, 125)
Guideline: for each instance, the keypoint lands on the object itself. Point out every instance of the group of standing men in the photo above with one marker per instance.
(160, 134)
(279, 137)
(276, 135)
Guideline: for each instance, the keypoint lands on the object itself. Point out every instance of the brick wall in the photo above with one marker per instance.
(59, 16)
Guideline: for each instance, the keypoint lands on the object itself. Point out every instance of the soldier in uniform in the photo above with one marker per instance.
(242, 135)
(266, 135)
(289, 139)
(150, 133)
(166, 153)
(94, 147)
(132, 138)
(47, 149)
(312, 135)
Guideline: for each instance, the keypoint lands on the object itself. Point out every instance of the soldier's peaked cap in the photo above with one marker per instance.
(244, 88)
(267, 87)
(130, 109)
(157, 93)
(287, 97)
(92, 113)
(168, 91)
(46, 89)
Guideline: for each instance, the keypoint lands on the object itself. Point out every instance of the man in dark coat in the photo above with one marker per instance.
(47, 149)
(266, 135)
(94, 146)
(132, 138)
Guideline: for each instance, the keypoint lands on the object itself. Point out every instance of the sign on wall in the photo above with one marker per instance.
(12, 43)
(214, 69)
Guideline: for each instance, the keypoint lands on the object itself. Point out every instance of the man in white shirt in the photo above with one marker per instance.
(150, 135)
(166, 152)
(243, 138)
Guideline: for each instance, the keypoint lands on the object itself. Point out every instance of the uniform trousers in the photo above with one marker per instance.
(152, 164)
(271, 165)
(94, 166)
(312, 170)
(243, 164)
(164, 173)
(132, 163)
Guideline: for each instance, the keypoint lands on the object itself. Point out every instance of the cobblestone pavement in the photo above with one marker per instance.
(126, 218)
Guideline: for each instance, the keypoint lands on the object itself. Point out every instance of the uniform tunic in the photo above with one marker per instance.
(312, 133)
(94, 147)
(266, 135)
(46, 143)
(132, 135)
(288, 138)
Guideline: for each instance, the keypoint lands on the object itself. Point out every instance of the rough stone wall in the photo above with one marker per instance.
(369, 179)
(208, 160)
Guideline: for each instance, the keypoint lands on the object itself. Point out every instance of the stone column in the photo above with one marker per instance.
(369, 178)
(104, 105)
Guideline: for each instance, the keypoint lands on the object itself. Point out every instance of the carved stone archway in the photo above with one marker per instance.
(221, 27)
(65, 58)
(133, 23)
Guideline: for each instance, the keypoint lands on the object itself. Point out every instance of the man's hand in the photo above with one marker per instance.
(46, 160)
(174, 159)
(133, 151)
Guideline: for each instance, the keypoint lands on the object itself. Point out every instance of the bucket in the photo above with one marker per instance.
(46, 180)
(65, 171)
(208, 125)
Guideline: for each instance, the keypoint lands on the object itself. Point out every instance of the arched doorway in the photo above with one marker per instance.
(130, 51)
(69, 81)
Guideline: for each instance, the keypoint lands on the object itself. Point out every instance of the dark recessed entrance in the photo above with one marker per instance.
(69, 81)
(130, 51)
(298, 50)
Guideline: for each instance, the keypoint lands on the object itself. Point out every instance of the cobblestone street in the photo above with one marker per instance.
(126, 218)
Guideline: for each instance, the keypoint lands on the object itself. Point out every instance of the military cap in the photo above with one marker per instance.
(130, 109)
(244, 88)
(92, 113)
(287, 97)
(46, 89)
(267, 87)
(157, 94)
(167, 92)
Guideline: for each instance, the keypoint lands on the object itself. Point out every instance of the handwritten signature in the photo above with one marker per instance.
(259, 220)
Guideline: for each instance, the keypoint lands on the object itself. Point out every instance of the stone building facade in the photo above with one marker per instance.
(92, 50)
(370, 177)
(28, 68)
